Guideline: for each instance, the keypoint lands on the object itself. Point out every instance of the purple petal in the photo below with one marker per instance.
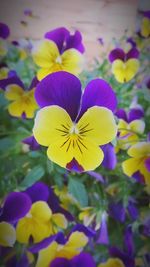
(59, 238)
(135, 114)
(97, 176)
(58, 36)
(110, 159)
(61, 262)
(11, 80)
(62, 89)
(147, 164)
(74, 166)
(148, 137)
(83, 260)
(23, 261)
(128, 240)
(75, 41)
(117, 253)
(15, 207)
(117, 53)
(53, 202)
(133, 53)
(103, 232)
(4, 30)
(121, 114)
(131, 41)
(38, 192)
(138, 177)
(34, 83)
(31, 141)
(132, 209)
(145, 13)
(98, 93)
(86, 230)
(117, 211)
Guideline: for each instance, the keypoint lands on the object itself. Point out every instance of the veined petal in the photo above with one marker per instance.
(7, 234)
(45, 54)
(72, 61)
(137, 126)
(62, 89)
(88, 155)
(50, 125)
(58, 36)
(13, 92)
(139, 150)
(60, 220)
(98, 125)
(131, 166)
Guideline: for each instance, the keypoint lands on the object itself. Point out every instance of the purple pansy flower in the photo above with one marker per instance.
(83, 259)
(4, 31)
(103, 237)
(64, 40)
(31, 142)
(61, 91)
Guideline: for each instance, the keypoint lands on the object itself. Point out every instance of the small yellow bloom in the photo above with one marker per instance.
(138, 153)
(125, 71)
(87, 216)
(7, 234)
(77, 241)
(23, 102)
(145, 27)
(65, 197)
(112, 262)
(39, 223)
(128, 133)
(48, 58)
(3, 73)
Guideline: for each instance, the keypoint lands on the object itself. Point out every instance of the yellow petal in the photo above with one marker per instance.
(41, 211)
(112, 263)
(45, 54)
(98, 125)
(132, 66)
(7, 234)
(137, 126)
(46, 256)
(43, 72)
(50, 123)
(59, 220)
(139, 150)
(31, 227)
(15, 108)
(72, 61)
(132, 165)
(13, 92)
(74, 245)
(125, 71)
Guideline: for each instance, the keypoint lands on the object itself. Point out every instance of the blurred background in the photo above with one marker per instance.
(94, 18)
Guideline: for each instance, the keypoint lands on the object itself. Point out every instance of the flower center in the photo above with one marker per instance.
(58, 60)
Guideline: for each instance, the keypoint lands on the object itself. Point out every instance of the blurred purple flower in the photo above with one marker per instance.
(4, 31)
(31, 141)
(103, 231)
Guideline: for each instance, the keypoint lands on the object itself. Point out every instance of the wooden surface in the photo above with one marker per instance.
(94, 18)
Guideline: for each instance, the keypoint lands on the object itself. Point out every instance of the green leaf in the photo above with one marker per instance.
(77, 189)
(33, 176)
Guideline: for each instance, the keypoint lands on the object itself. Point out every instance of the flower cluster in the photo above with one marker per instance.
(75, 151)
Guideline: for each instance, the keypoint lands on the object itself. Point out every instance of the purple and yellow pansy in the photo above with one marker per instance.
(59, 51)
(22, 101)
(74, 126)
(124, 65)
